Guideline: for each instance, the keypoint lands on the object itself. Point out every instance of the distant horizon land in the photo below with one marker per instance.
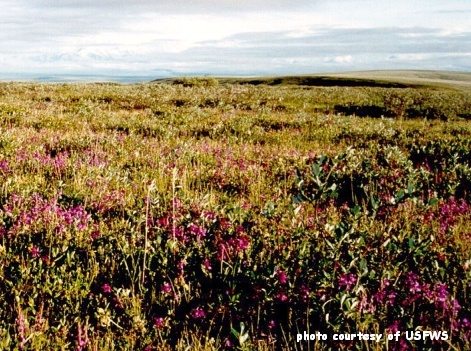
(142, 78)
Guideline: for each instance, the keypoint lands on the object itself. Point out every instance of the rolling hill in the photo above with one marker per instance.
(378, 78)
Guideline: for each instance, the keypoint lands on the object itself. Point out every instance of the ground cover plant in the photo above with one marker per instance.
(204, 216)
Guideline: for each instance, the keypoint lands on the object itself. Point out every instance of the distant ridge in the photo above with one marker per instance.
(376, 78)
(420, 77)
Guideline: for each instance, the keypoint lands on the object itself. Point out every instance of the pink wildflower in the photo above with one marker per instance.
(106, 288)
(197, 313)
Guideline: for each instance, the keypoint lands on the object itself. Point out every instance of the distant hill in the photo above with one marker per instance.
(379, 78)
(413, 77)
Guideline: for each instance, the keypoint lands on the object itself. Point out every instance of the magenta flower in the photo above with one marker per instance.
(21, 324)
(209, 215)
(394, 327)
(413, 283)
(304, 292)
(106, 288)
(207, 264)
(441, 293)
(197, 313)
(181, 265)
(455, 306)
(347, 281)
(166, 288)
(281, 296)
(4, 167)
(197, 231)
(95, 234)
(281, 275)
(392, 298)
(34, 252)
(240, 243)
(159, 322)
(82, 338)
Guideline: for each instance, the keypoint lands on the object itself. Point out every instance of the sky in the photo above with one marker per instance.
(155, 38)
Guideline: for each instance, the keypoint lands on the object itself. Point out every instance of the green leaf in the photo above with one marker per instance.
(355, 210)
(316, 170)
(363, 264)
(411, 243)
(374, 203)
(235, 332)
(400, 195)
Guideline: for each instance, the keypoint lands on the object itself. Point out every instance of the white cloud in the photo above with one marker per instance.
(410, 57)
(272, 36)
(343, 59)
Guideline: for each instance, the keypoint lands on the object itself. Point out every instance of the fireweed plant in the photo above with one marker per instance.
(203, 216)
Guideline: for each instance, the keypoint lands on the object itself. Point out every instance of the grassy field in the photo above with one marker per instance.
(206, 214)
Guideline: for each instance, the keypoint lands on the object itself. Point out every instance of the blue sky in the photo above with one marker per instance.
(242, 37)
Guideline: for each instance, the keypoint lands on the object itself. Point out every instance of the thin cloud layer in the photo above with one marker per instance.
(175, 6)
(150, 37)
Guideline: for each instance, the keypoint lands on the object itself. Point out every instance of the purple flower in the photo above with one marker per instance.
(95, 234)
(240, 243)
(412, 282)
(197, 231)
(347, 281)
(82, 338)
(281, 296)
(207, 264)
(392, 298)
(4, 167)
(197, 313)
(34, 252)
(466, 323)
(159, 322)
(384, 295)
(181, 265)
(209, 215)
(441, 293)
(304, 292)
(365, 306)
(394, 327)
(166, 288)
(106, 288)
(455, 306)
(20, 322)
(281, 275)
(379, 296)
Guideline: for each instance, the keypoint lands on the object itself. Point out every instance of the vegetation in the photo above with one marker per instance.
(200, 215)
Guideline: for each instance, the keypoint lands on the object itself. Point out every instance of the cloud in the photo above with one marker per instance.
(271, 52)
(231, 37)
(410, 57)
(327, 49)
(174, 6)
(346, 59)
